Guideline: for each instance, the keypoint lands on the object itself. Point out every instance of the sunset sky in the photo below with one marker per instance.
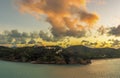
(35, 15)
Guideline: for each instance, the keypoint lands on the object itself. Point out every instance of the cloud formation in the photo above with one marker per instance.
(16, 37)
(102, 30)
(45, 36)
(67, 17)
(114, 31)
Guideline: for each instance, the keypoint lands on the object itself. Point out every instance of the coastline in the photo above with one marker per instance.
(92, 61)
(57, 55)
(82, 62)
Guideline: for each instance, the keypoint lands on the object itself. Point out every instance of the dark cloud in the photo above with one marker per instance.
(14, 36)
(102, 30)
(23, 41)
(46, 36)
(115, 42)
(103, 44)
(9, 40)
(32, 41)
(4, 39)
(34, 35)
(114, 31)
(88, 43)
(25, 35)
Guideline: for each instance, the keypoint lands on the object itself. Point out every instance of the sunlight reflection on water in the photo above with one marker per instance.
(98, 69)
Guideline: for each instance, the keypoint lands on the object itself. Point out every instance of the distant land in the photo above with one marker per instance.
(77, 54)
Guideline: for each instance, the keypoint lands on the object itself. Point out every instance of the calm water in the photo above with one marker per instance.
(98, 69)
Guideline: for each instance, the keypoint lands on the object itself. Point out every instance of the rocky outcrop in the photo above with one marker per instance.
(79, 61)
(83, 62)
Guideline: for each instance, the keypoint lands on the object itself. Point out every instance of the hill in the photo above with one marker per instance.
(57, 55)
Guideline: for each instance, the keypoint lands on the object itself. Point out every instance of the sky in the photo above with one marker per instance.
(11, 18)
(96, 13)
(108, 10)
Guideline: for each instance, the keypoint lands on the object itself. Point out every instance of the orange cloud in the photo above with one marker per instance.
(65, 16)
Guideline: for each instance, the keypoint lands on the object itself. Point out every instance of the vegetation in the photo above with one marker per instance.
(57, 55)
(94, 53)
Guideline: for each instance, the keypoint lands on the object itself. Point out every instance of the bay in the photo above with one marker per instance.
(106, 68)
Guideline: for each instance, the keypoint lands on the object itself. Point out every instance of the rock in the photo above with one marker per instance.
(34, 62)
(87, 61)
(61, 62)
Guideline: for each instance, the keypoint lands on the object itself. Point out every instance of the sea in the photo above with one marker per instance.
(105, 68)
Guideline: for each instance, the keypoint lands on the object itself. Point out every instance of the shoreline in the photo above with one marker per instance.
(105, 59)
(92, 60)
(85, 62)
(57, 55)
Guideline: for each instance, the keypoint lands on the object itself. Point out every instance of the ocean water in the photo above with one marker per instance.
(109, 68)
